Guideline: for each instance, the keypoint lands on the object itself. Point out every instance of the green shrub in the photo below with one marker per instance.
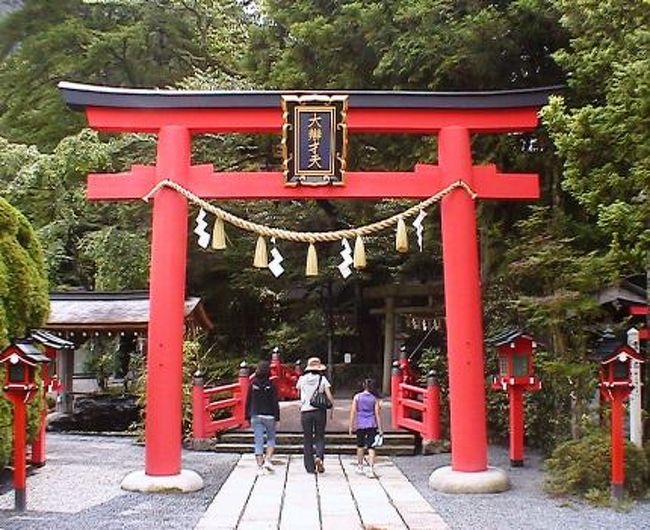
(583, 467)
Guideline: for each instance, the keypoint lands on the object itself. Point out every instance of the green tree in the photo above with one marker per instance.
(94, 245)
(137, 44)
(601, 130)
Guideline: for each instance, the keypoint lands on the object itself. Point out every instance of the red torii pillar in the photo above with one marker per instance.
(175, 116)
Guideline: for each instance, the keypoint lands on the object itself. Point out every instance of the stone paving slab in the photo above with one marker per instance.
(340, 499)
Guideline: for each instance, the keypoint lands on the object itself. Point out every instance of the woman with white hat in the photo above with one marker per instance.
(313, 416)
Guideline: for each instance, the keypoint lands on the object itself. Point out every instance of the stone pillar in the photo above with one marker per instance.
(389, 343)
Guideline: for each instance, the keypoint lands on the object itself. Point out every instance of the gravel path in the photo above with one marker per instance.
(79, 489)
(524, 506)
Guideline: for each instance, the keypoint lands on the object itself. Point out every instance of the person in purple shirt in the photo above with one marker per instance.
(365, 418)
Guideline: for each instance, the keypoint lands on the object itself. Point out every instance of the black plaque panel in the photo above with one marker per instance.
(314, 139)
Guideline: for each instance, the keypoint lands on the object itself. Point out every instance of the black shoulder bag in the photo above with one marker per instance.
(319, 399)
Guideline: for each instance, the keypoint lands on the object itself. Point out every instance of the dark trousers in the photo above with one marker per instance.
(313, 428)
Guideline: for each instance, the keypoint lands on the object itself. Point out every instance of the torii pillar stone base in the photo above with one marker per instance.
(185, 482)
(446, 480)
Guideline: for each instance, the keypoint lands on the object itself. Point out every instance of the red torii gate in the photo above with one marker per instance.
(176, 115)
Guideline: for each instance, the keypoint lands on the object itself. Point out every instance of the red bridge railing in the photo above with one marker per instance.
(415, 408)
(231, 398)
(207, 401)
(285, 377)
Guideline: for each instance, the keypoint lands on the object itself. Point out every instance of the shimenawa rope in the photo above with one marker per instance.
(307, 237)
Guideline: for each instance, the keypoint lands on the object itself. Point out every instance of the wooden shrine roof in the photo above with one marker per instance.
(119, 311)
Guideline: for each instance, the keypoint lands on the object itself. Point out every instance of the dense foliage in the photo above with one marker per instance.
(541, 264)
(583, 467)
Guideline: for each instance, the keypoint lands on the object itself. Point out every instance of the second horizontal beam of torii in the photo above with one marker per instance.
(204, 182)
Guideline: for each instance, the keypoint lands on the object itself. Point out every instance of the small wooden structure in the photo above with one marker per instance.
(399, 300)
(77, 316)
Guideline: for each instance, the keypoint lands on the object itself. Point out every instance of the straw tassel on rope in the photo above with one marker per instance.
(261, 260)
(311, 268)
(218, 235)
(359, 254)
(401, 238)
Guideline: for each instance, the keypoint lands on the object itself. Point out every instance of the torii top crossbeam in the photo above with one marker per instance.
(138, 110)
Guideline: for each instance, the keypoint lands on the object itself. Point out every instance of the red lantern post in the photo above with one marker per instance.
(615, 358)
(20, 361)
(516, 375)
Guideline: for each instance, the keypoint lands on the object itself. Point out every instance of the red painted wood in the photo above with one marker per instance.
(489, 184)
(639, 310)
(113, 119)
(431, 416)
(516, 397)
(239, 412)
(618, 447)
(38, 445)
(134, 184)
(413, 404)
(395, 398)
(421, 121)
(419, 184)
(463, 306)
(358, 185)
(167, 303)
(222, 404)
(262, 121)
(200, 419)
(20, 440)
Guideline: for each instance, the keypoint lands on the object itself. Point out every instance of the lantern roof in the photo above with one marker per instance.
(507, 336)
(49, 339)
(610, 347)
(25, 350)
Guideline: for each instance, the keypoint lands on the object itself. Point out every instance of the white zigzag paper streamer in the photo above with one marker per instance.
(419, 229)
(204, 237)
(346, 254)
(275, 264)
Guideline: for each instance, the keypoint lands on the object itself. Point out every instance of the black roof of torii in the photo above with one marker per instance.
(78, 95)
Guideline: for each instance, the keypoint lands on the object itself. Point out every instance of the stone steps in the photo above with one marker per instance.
(395, 444)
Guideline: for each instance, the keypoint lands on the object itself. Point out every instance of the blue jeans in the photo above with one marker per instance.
(263, 425)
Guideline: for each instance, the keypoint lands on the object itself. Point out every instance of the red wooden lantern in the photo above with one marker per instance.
(20, 361)
(516, 375)
(616, 369)
(615, 373)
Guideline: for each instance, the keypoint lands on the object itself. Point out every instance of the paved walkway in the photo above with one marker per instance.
(339, 499)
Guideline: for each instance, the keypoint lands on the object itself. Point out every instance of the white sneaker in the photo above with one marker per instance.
(268, 465)
(360, 469)
(370, 472)
(261, 471)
